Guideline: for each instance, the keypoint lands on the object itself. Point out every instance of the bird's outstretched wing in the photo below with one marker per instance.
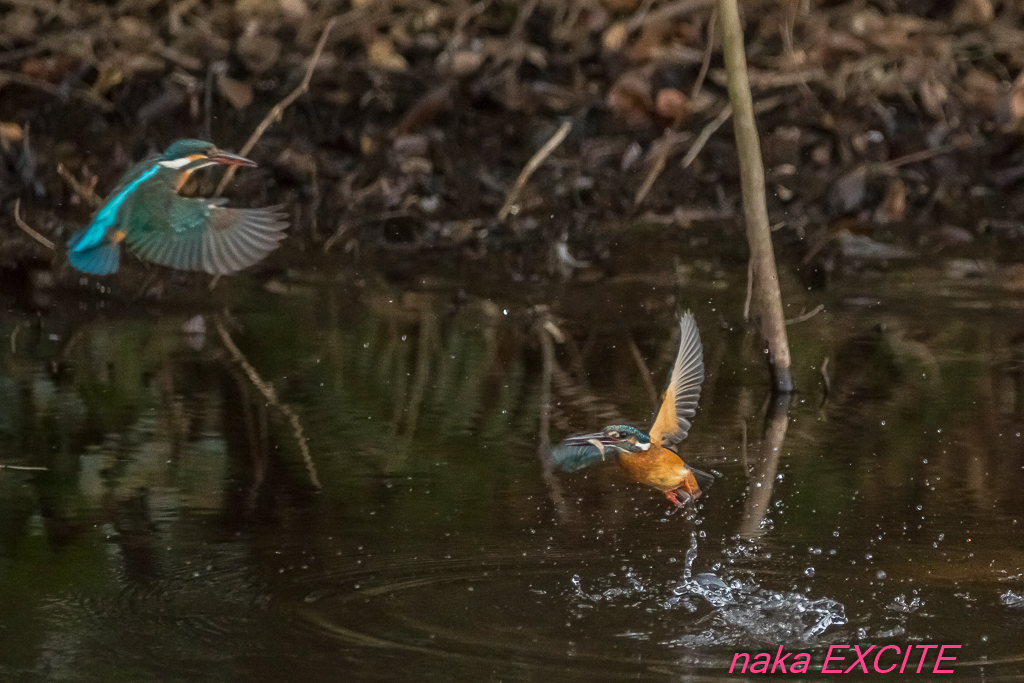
(680, 401)
(574, 454)
(207, 236)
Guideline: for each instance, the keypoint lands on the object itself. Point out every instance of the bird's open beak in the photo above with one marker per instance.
(229, 159)
(598, 440)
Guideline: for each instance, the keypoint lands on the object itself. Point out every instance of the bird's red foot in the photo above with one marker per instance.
(680, 498)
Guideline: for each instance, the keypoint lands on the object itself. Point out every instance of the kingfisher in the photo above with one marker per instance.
(198, 234)
(652, 458)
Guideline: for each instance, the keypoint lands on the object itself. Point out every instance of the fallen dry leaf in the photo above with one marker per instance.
(630, 99)
(294, 9)
(11, 132)
(299, 165)
(21, 23)
(466, 62)
(238, 93)
(982, 90)
(51, 69)
(615, 36)
(894, 206)
(672, 105)
(1014, 105)
(382, 53)
(973, 13)
(133, 33)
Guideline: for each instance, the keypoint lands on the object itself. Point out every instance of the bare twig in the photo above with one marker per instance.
(708, 49)
(29, 229)
(825, 378)
(670, 141)
(83, 191)
(275, 114)
(267, 389)
(683, 216)
(661, 150)
(806, 316)
(531, 166)
(705, 134)
(923, 155)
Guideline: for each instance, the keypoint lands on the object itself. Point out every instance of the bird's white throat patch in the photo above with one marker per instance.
(176, 163)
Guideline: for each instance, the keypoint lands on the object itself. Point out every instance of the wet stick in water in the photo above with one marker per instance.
(764, 275)
(762, 480)
(546, 330)
(267, 389)
(22, 468)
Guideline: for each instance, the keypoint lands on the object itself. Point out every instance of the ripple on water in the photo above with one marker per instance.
(602, 618)
(179, 619)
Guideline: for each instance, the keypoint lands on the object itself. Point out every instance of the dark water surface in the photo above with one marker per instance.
(395, 522)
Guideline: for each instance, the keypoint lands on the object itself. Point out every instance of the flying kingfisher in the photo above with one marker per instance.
(145, 211)
(652, 458)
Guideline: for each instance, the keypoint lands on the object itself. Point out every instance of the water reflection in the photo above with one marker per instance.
(351, 479)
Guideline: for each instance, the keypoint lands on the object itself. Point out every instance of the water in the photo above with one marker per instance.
(390, 518)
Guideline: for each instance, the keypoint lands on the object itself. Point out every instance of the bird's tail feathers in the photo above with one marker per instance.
(704, 479)
(102, 259)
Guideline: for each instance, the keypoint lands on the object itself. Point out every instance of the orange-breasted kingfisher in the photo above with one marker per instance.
(652, 458)
(146, 212)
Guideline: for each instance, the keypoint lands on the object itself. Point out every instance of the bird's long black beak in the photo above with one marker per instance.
(229, 159)
(599, 440)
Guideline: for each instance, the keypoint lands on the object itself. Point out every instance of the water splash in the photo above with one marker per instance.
(1011, 599)
(740, 611)
(744, 612)
(633, 587)
(904, 606)
(691, 555)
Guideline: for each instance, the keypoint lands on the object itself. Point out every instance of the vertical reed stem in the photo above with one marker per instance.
(762, 256)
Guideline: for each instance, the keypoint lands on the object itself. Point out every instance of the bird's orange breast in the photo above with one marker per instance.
(659, 468)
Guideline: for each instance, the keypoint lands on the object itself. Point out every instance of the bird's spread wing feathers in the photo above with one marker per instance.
(572, 456)
(680, 401)
(209, 237)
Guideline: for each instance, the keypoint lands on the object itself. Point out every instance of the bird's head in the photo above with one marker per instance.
(186, 156)
(622, 438)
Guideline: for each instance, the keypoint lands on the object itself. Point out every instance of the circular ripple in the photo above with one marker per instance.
(498, 609)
